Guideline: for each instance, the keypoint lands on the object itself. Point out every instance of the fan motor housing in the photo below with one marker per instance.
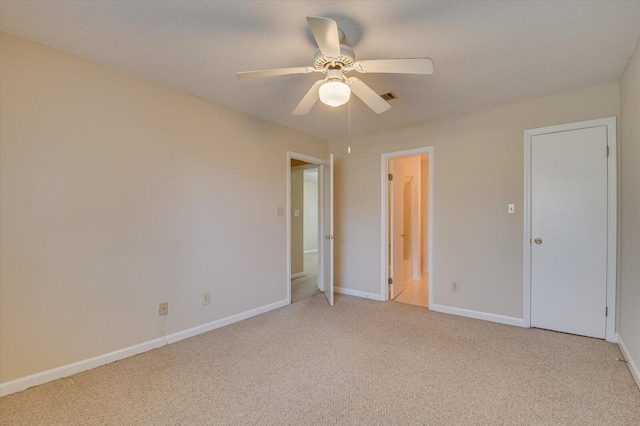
(345, 60)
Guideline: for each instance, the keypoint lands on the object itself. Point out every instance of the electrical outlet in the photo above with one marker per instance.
(455, 286)
(206, 298)
(164, 308)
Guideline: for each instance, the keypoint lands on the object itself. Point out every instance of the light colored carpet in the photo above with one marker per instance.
(359, 363)
(307, 285)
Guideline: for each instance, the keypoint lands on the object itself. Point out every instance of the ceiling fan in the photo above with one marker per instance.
(336, 60)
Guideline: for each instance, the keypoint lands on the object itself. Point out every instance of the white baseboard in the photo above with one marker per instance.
(310, 251)
(635, 372)
(23, 383)
(298, 275)
(26, 382)
(502, 319)
(358, 293)
(194, 331)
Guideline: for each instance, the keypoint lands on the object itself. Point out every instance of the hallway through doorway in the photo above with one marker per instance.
(306, 285)
(408, 229)
(415, 292)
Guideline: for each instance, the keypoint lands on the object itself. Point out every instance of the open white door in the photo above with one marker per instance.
(327, 230)
(396, 272)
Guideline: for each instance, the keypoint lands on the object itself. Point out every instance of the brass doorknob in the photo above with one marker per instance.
(538, 241)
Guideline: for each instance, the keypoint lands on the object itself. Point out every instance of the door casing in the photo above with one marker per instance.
(612, 216)
(384, 209)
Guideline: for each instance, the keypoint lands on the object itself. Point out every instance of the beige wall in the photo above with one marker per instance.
(117, 194)
(629, 318)
(478, 170)
(297, 222)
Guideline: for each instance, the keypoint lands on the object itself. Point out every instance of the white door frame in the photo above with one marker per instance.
(384, 248)
(612, 216)
(317, 162)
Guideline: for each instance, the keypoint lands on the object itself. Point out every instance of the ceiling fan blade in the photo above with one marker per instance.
(368, 96)
(399, 66)
(309, 99)
(325, 31)
(270, 73)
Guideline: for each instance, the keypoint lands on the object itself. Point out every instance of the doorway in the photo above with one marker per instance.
(309, 257)
(570, 228)
(407, 222)
(305, 220)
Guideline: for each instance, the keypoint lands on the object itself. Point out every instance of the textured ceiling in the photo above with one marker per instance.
(485, 53)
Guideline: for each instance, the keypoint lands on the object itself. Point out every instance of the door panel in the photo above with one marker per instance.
(569, 231)
(328, 239)
(397, 229)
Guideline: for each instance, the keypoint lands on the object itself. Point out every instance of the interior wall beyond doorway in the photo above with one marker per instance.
(424, 215)
(411, 167)
(310, 211)
(297, 221)
(408, 219)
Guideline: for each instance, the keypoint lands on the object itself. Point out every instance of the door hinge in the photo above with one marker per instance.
(390, 176)
(607, 150)
(390, 280)
(606, 311)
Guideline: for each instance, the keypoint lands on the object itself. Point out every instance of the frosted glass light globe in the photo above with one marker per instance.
(334, 93)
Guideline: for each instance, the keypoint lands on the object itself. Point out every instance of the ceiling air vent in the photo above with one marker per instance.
(388, 96)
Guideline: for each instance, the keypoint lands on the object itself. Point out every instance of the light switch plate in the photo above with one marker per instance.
(511, 209)
(296, 212)
(279, 211)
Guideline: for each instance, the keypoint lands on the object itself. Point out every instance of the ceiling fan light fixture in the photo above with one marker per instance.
(334, 93)
(336, 60)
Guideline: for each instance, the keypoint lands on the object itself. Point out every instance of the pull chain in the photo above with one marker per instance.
(349, 122)
(349, 118)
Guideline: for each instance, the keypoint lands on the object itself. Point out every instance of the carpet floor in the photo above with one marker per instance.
(360, 362)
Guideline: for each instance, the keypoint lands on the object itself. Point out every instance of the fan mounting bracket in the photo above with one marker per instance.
(346, 59)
